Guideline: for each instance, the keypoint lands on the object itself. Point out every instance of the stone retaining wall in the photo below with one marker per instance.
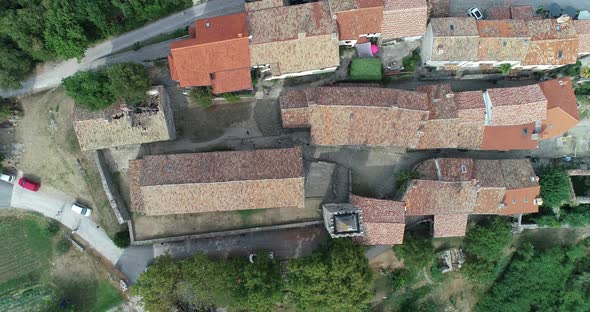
(110, 189)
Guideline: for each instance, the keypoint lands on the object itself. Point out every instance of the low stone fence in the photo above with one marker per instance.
(220, 233)
(110, 189)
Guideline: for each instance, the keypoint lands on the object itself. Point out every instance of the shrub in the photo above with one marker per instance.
(122, 239)
(403, 177)
(231, 97)
(128, 82)
(63, 246)
(411, 61)
(89, 89)
(555, 186)
(416, 252)
(586, 72)
(52, 228)
(573, 70)
(401, 279)
(202, 96)
(505, 69)
(366, 69)
(583, 88)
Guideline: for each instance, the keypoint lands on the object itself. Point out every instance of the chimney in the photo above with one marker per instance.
(562, 82)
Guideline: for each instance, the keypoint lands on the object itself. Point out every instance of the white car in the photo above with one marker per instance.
(475, 13)
(8, 177)
(79, 209)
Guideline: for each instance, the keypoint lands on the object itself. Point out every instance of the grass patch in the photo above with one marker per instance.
(107, 297)
(230, 97)
(366, 69)
(246, 215)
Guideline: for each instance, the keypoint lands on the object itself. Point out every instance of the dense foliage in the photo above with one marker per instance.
(128, 82)
(366, 69)
(335, 278)
(43, 30)
(485, 245)
(555, 186)
(575, 216)
(202, 96)
(403, 177)
(412, 61)
(122, 239)
(505, 68)
(416, 252)
(537, 280)
(97, 90)
(89, 89)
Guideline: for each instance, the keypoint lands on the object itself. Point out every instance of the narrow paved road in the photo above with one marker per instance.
(49, 202)
(50, 75)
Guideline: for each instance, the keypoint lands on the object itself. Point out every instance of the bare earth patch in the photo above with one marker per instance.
(52, 156)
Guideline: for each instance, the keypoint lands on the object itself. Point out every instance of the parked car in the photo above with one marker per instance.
(7, 177)
(82, 210)
(475, 13)
(28, 184)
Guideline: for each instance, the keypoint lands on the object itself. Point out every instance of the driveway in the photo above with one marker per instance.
(5, 194)
(49, 202)
(49, 75)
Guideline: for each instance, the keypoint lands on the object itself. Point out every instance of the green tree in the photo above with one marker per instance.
(122, 239)
(137, 12)
(15, 65)
(128, 82)
(89, 89)
(505, 69)
(260, 285)
(207, 282)
(25, 25)
(335, 278)
(416, 252)
(555, 186)
(485, 245)
(63, 32)
(412, 61)
(158, 285)
(403, 177)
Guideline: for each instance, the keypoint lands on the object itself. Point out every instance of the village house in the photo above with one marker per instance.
(121, 124)
(433, 116)
(448, 191)
(216, 55)
(513, 36)
(217, 181)
(361, 20)
(292, 40)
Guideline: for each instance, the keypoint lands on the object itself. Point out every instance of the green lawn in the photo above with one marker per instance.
(26, 281)
(366, 69)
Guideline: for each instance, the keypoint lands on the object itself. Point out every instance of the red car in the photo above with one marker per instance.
(28, 184)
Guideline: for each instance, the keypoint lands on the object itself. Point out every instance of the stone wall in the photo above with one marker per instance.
(111, 190)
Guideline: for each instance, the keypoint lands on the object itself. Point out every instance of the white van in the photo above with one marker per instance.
(7, 177)
(79, 209)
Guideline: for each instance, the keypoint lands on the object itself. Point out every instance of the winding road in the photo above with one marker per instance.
(49, 75)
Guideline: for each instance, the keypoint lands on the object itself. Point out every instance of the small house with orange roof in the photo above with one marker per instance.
(217, 54)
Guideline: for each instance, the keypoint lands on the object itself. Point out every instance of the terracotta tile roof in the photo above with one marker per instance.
(502, 40)
(454, 27)
(488, 173)
(517, 105)
(562, 112)
(293, 99)
(504, 138)
(469, 100)
(560, 94)
(383, 220)
(447, 169)
(293, 56)
(521, 12)
(221, 44)
(499, 13)
(172, 184)
(263, 4)
(502, 29)
(344, 5)
(296, 117)
(550, 46)
(378, 126)
(489, 200)
(436, 197)
(379, 210)
(352, 24)
(450, 225)
(404, 18)
(455, 39)
(583, 30)
(521, 200)
(368, 3)
(287, 22)
(99, 130)
(441, 101)
(364, 96)
(518, 174)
